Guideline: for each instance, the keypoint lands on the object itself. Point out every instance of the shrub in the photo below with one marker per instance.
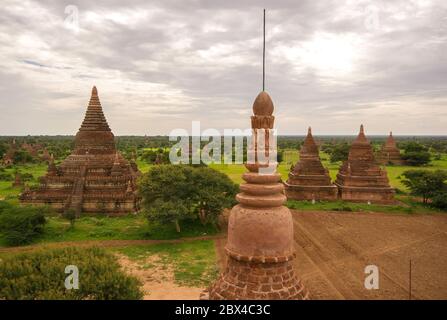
(6, 176)
(21, 225)
(70, 215)
(440, 201)
(41, 275)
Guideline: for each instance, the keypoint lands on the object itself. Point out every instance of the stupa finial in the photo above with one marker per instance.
(309, 131)
(94, 91)
(263, 105)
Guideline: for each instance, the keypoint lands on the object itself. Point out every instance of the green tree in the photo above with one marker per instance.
(425, 183)
(211, 191)
(339, 152)
(174, 193)
(416, 154)
(22, 156)
(3, 149)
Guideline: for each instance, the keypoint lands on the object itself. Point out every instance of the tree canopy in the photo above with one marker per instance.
(174, 193)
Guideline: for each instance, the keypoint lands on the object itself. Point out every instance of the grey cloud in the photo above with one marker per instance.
(402, 61)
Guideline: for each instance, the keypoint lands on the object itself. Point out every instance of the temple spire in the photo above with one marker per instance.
(263, 56)
(361, 138)
(94, 117)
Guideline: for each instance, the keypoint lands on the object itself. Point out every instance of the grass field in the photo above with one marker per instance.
(10, 194)
(131, 227)
(408, 206)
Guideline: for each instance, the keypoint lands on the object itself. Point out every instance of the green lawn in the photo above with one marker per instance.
(132, 227)
(193, 263)
(408, 206)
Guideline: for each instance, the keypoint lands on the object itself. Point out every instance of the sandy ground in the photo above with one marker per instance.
(158, 280)
(333, 250)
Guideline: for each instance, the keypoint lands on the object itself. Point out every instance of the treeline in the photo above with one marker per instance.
(418, 150)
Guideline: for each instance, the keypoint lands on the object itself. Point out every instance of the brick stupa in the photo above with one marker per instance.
(360, 178)
(390, 153)
(95, 178)
(308, 179)
(260, 246)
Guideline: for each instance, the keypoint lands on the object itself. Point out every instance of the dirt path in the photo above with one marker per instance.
(158, 279)
(104, 243)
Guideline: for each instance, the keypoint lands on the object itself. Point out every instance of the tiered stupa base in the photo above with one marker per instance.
(258, 281)
(367, 194)
(324, 193)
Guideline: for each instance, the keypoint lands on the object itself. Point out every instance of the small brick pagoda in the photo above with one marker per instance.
(360, 178)
(95, 178)
(308, 179)
(8, 157)
(17, 181)
(260, 246)
(390, 154)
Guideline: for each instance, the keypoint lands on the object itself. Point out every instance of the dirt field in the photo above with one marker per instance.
(333, 249)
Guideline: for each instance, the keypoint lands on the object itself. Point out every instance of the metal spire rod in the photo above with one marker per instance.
(263, 58)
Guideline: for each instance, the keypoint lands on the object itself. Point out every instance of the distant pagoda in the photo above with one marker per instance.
(308, 179)
(390, 154)
(95, 178)
(360, 178)
(8, 157)
(17, 181)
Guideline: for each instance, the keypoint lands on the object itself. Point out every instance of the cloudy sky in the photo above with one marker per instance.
(158, 65)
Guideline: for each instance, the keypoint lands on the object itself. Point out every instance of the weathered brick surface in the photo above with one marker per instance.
(248, 280)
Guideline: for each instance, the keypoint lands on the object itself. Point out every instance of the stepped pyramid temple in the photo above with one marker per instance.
(360, 178)
(260, 246)
(95, 178)
(308, 179)
(390, 154)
